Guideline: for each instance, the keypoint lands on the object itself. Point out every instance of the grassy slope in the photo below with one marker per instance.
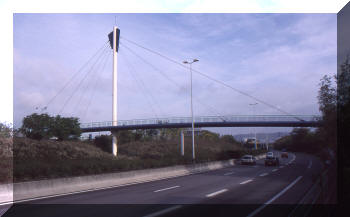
(5, 160)
(35, 160)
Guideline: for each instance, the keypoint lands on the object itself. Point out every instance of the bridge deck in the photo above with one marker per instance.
(225, 121)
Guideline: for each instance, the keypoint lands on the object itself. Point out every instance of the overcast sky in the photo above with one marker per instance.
(278, 58)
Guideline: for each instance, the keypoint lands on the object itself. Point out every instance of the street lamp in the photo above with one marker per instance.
(253, 104)
(190, 63)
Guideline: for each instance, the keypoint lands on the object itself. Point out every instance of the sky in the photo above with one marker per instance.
(277, 58)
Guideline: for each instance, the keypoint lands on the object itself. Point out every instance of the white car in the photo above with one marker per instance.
(248, 159)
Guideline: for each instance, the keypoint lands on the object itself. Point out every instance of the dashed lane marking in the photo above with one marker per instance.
(164, 189)
(216, 193)
(245, 182)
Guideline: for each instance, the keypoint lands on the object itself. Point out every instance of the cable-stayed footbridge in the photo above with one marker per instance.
(98, 62)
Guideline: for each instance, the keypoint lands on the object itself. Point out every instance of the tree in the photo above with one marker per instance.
(104, 142)
(343, 82)
(150, 134)
(327, 98)
(65, 128)
(138, 135)
(125, 136)
(37, 126)
(40, 126)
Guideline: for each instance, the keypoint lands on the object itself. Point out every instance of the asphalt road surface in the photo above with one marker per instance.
(246, 190)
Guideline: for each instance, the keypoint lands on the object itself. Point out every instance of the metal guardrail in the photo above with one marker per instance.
(231, 118)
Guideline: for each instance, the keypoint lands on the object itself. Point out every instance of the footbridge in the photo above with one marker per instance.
(206, 121)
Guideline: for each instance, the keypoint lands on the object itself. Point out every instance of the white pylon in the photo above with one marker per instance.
(115, 91)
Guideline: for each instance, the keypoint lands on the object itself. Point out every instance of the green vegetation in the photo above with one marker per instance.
(303, 140)
(5, 153)
(44, 159)
(42, 126)
(334, 103)
(343, 113)
(5, 130)
(318, 141)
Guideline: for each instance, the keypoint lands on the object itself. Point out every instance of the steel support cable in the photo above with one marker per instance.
(169, 79)
(214, 79)
(95, 86)
(74, 75)
(144, 89)
(81, 81)
(153, 99)
(92, 78)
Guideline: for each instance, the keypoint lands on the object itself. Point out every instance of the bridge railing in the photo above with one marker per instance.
(201, 119)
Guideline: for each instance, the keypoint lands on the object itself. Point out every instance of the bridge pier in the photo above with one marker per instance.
(114, 144)
(182, 143)
(114, 40)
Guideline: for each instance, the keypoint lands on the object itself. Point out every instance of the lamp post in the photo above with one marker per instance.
(254, 104)
(190, 63)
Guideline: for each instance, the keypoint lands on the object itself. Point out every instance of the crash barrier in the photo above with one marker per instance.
(6, 193)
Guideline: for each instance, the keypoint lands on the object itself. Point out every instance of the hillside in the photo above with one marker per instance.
(35, 160)
(6, 160)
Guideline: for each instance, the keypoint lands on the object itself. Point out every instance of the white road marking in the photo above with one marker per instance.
(310, 164)
(274, 170)
(264, 174)
(281, 167)
(245, 182)
(164, 211)
(164, 189)
(230, 173)
(275, 197)
(6, 203)
(216, 193)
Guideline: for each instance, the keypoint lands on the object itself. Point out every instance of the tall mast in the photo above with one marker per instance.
(114, 41)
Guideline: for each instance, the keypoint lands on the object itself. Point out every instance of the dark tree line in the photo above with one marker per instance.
(343, 111)
(334, 104)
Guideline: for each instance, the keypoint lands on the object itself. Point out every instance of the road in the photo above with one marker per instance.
(243, 188)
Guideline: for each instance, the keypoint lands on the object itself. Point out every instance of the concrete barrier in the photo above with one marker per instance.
(62, 186)
(6, 193)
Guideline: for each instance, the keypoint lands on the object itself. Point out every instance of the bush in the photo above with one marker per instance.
(5, 130)
(104, 142)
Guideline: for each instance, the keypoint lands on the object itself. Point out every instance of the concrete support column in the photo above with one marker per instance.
(115, 89)
(182, 143)
(114, 144)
